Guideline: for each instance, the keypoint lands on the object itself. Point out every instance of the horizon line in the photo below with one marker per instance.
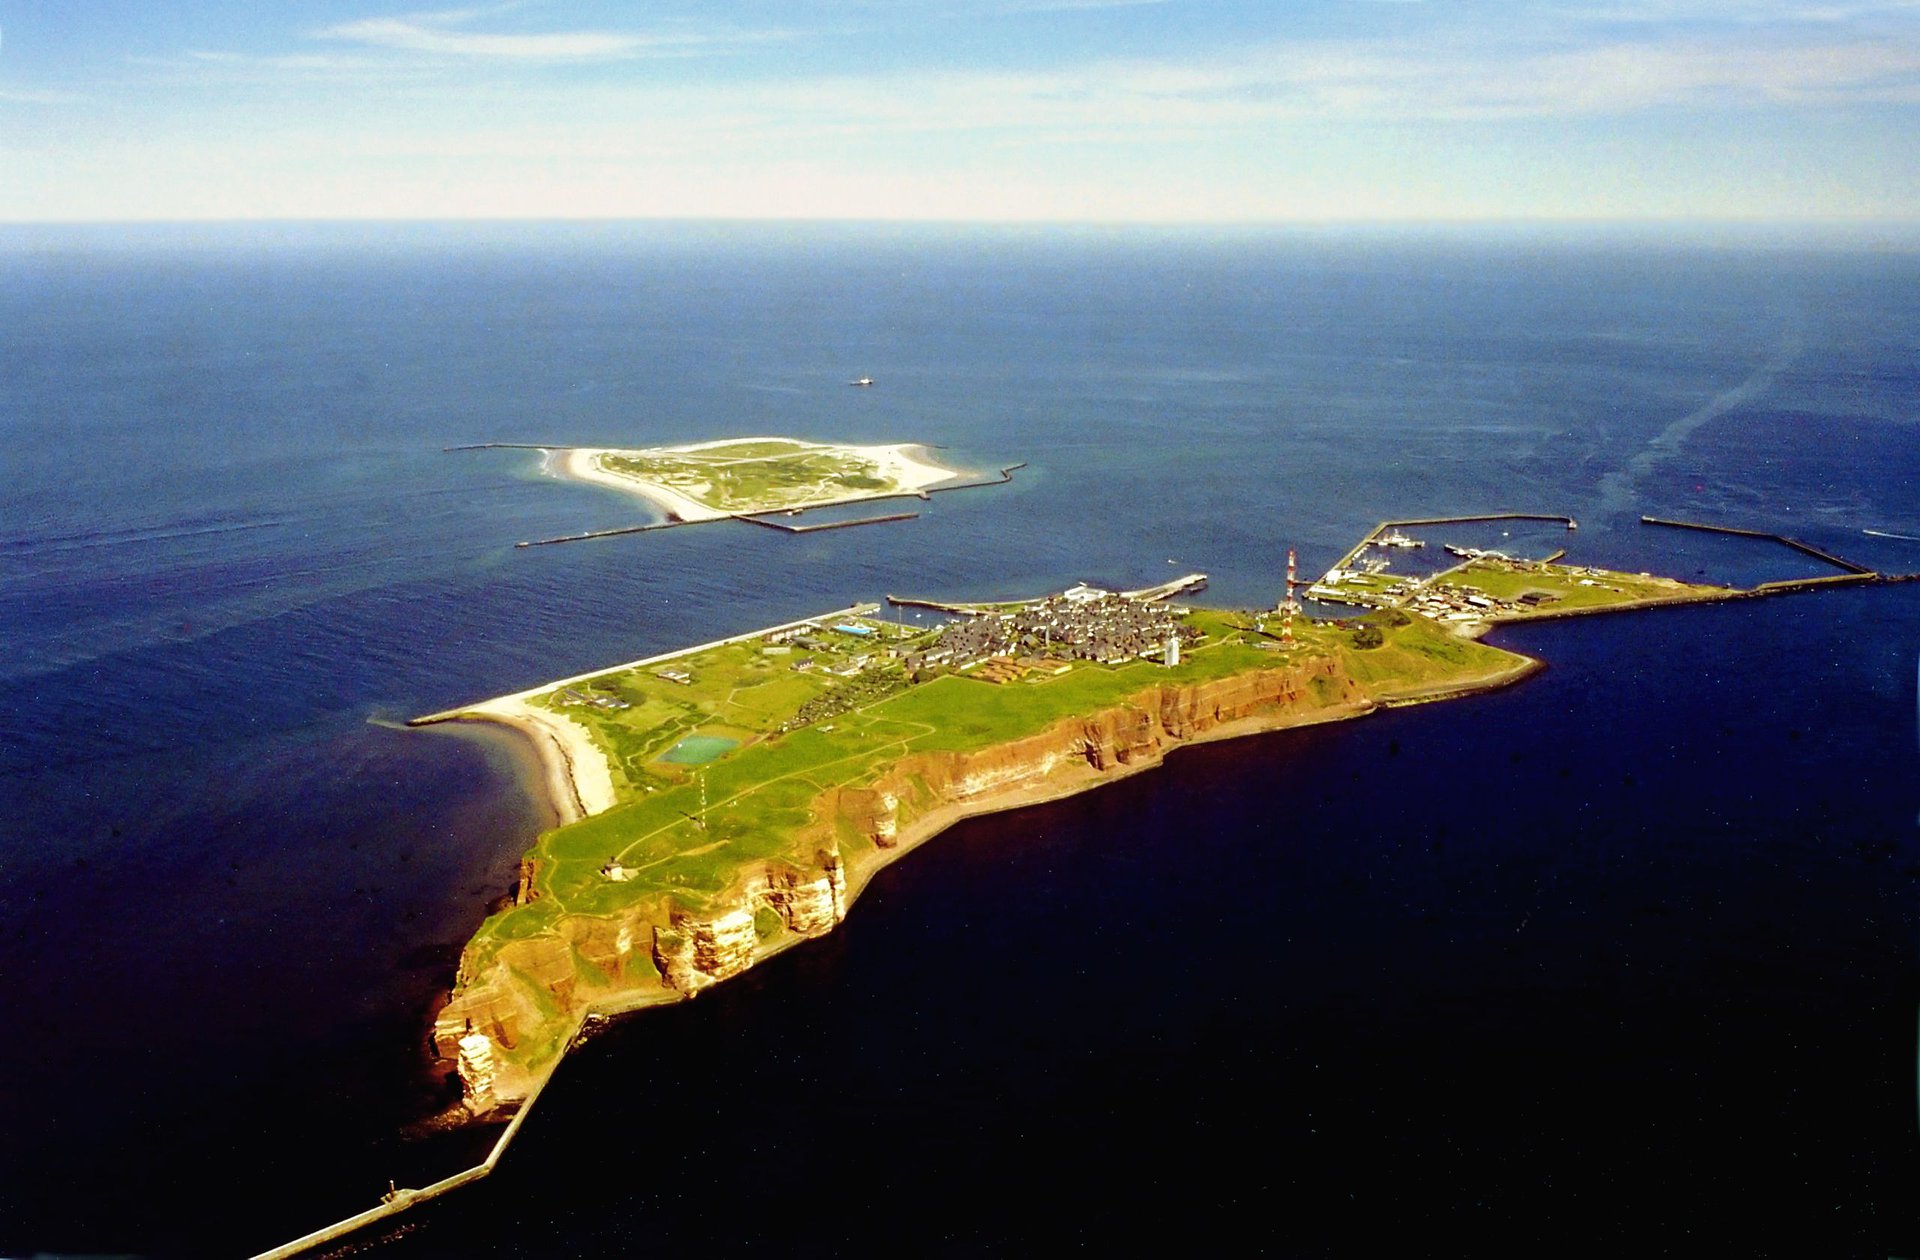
(1863, 220)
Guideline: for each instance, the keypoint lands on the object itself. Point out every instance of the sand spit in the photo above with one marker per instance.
(909, 464)
(578, 779)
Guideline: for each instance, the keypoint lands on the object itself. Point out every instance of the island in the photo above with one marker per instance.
(732, 477)
(724, 802)
(728, 801)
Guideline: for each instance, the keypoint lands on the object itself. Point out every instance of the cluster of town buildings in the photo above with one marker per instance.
(1084, 624)
(831, 655)
(1045, 637)
(1444, 601)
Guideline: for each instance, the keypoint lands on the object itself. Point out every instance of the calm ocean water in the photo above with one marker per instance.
(1624, 955)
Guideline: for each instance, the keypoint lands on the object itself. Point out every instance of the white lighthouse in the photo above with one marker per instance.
(1173, 650)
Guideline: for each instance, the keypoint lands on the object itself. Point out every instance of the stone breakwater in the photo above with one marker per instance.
(514, 1007)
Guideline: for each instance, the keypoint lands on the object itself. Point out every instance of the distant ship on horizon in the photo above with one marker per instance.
(862, 381)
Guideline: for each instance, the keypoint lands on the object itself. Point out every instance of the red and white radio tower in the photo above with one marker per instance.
(1289, 606)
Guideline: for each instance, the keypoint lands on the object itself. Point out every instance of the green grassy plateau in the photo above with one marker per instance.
(688, 831)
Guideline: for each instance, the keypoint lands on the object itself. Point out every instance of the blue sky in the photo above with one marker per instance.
(1159, 110)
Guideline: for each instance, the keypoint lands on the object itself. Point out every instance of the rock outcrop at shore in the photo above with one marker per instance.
(808, 905)
(528, 996)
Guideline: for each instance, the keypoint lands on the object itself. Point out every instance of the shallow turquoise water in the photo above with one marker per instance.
(698, 750)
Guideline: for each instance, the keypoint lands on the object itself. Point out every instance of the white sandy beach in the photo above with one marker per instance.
(909, 464)
(583, 463)
(906, 465)
(579, 780)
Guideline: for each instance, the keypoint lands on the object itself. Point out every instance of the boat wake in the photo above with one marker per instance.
(1617, 487)
(1881, 533)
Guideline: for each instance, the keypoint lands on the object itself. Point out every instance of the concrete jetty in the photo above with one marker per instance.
(1806, 549)
(397, 1201)
(604, 533)
(1167, 590)
(760, 519)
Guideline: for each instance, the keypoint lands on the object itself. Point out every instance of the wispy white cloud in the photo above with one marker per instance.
(1254, 97)
(418, 37)
(1258, 100)
(1334, 82)
(1392, 108)
(1613, 78)
(1386, 78)
(421, 48)
(450, 33)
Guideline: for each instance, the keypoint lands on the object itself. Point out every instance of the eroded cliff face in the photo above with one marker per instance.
(807, 905)
(1129, 736)
(526, 996)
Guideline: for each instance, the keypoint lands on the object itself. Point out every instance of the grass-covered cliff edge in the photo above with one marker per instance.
(756, 786)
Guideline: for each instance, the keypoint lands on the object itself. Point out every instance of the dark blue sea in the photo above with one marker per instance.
(1626, 957)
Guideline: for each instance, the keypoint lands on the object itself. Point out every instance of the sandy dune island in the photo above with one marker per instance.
(708, 481)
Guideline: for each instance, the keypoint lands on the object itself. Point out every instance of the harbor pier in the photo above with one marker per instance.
(1804, 548)
(1384, 527)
